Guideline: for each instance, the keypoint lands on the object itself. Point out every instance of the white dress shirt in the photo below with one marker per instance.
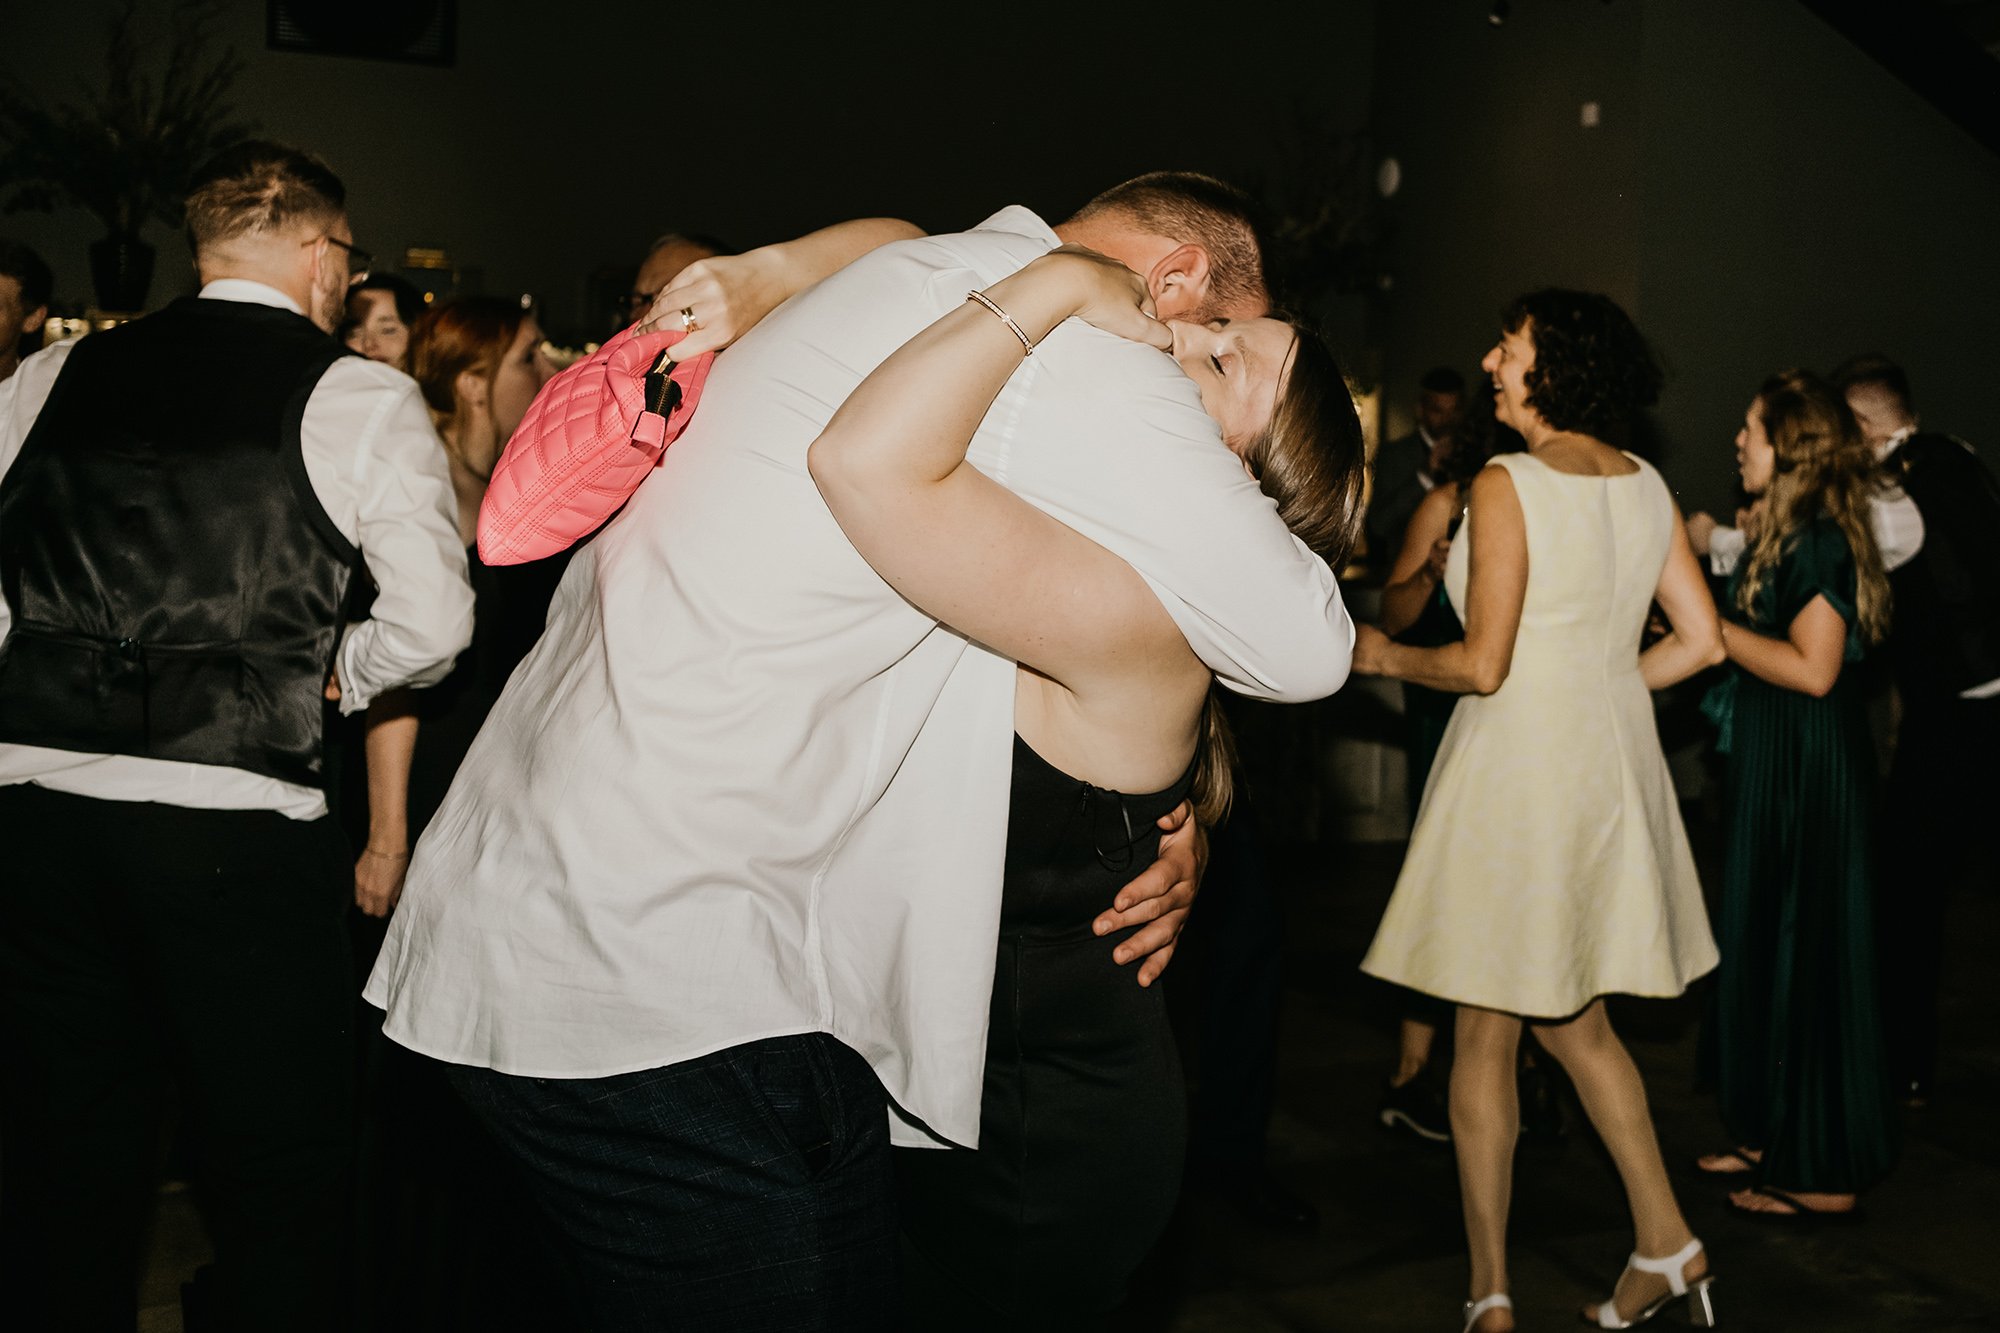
(373, 460)
(1424, 477)
(740, 788)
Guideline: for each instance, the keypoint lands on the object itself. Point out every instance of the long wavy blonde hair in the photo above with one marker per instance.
(1823, 466)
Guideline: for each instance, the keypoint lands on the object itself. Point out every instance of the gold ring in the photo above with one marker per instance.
(688, 322)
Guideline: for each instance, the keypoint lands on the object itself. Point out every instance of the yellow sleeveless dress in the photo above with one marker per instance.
(1548, 865)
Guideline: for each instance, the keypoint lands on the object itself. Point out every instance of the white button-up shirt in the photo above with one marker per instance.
(742, 789)
(374, 462)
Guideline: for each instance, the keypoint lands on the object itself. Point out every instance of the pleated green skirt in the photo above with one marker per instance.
(1798, 1041)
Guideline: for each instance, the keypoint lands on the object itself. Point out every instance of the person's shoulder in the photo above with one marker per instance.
(1497, 479)
(354, 373)
(1821, 543)
(1444, 499)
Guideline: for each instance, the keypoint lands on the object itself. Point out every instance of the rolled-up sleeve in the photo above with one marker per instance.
(377, 465)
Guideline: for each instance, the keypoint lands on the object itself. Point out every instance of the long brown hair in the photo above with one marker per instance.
(1310, 460)
(459, 334)
(1822, 467)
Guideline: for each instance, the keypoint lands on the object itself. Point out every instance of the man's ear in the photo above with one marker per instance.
(36, 318)
(1179, 281)
(471, 388)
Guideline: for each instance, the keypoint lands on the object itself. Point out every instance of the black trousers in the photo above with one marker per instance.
(1243, 933)
(1942, 796)
(143, 943)
(745, 1191)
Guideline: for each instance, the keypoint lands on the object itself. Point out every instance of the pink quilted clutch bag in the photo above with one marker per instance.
(588, 440)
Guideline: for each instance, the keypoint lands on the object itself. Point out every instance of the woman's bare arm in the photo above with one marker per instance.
(1497, 585)
(1808, 659)
(730, 293)
(1414, 578)
(390, 746)
(1695, 642)
(892, 467)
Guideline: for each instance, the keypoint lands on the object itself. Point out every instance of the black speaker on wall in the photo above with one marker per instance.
(424, 32)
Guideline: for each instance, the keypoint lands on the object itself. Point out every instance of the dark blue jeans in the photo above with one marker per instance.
(746, 1190)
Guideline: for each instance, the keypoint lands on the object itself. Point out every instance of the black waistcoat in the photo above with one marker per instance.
(175, 585)
(1945, 633)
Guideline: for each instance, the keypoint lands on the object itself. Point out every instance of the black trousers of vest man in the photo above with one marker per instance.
(143, 946)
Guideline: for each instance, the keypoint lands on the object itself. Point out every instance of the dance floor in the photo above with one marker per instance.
(1388, 1254)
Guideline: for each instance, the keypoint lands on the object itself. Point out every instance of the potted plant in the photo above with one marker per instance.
(127, 152)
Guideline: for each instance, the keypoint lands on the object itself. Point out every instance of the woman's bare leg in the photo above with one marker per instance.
(1485, 1128)
(1608, 1084)
(1415, 1041)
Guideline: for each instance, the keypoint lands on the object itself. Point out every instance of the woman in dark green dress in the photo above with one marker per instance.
(1802, 1074)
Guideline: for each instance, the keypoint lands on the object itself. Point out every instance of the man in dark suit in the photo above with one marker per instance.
(1408, 467)
(1939, 528)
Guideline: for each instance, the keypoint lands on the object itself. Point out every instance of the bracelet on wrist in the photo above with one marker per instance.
(403, 855)
(1027, 345)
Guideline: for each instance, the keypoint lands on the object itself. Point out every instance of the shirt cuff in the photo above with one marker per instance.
(1725, 549)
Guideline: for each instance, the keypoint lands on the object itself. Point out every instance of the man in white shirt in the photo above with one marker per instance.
(183, 501)
(25, 285)
(723, 868)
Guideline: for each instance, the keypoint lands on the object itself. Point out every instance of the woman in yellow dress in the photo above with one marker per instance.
(1548, 867)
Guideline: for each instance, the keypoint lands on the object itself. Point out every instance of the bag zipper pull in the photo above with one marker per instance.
(663, 395)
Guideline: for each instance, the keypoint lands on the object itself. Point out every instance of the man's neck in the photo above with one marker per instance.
(10, 362)
(296, 290)
(1896, 440)
(1134, 249)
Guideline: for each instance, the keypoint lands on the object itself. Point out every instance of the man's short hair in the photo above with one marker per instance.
(1187, 206)
(259, 187)
(699, 239)
(1872, 368)
(24, 266)
(1442, 379)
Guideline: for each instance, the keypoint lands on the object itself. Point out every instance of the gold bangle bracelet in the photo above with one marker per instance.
(1027, 347)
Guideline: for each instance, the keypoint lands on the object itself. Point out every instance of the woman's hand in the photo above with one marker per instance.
(378, 880)
(728, 295)
(1440, 553)
(1370, 646)
(1074, 281)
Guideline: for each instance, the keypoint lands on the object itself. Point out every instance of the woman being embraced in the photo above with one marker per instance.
(1800, 1063)
(1548, 867)
(1051, 1213)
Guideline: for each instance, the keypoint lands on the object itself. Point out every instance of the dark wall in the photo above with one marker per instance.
(1759, 194)
(567, 136)
(1503, 188)
(1802, 205)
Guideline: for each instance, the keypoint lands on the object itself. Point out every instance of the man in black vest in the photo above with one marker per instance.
(183, 501)
(1939, 527)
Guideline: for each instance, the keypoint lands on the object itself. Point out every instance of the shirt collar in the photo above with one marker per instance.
(1894, 442)
(1021, 222)
(252, 293)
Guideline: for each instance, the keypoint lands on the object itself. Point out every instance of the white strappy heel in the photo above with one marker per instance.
(1474, 1309)
(1700, 1305)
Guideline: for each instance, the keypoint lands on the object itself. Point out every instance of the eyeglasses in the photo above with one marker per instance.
(359, 261)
